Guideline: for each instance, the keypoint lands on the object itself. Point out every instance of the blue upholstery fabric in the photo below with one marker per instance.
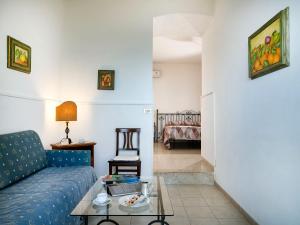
(21, 154)
(47, 197)
(62, 158)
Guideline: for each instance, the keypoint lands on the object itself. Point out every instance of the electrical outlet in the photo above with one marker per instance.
(146, 111)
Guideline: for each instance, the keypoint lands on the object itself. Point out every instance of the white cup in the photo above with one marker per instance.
(145, 189)
(102, 197)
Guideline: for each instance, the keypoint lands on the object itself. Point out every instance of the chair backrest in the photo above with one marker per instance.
(127, 145)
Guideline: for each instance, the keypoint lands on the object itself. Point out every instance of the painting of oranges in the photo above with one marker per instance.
(268, 46)
(18, 55)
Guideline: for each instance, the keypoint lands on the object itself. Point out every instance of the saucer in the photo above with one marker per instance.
(96, 202)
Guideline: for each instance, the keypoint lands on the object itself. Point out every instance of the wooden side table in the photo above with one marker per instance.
(77, 146)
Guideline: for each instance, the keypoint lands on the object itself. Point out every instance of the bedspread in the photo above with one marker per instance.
(181, 133)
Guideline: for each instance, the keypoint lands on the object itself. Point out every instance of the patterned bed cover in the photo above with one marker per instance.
(180, 132)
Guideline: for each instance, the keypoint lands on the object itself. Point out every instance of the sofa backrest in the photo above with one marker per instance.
(21, 154)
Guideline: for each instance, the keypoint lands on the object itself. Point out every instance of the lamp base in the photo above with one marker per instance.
(67, 131)
(65, 141)
(69, 140)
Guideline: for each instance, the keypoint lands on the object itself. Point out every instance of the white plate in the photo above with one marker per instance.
(123, 201)
(95, 202)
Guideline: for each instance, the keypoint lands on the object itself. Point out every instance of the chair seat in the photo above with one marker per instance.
(126, 158)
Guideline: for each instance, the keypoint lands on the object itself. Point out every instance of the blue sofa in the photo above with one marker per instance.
(40, 187)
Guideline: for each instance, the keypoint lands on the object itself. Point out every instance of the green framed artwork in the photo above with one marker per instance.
(268, 47)
(106, 79)
(18, 55)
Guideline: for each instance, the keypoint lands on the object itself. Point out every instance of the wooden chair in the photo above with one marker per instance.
(129, 163)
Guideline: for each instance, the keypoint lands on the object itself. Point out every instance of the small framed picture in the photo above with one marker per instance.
(18, 55)
(106, 79)
(269, 46)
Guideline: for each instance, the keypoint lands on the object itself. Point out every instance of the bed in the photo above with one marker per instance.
(180, 129)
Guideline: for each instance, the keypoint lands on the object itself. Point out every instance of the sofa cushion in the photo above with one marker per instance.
(21, 154)
(46, 197)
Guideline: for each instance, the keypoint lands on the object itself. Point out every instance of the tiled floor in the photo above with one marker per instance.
(193, 205)
(178, 160)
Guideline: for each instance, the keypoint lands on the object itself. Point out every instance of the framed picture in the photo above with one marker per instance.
(18, 55)
(268, 47)
(106, 79)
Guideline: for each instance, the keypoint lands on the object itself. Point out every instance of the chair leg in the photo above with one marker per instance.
(110, 169)
(117, 170)
(139, 170)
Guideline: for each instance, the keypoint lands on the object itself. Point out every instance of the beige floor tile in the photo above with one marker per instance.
(177, 221)
(239, 221)
(189, 190)
(141, 220)
(204, 221)
(176, 202)
(93, 220)
(208, 188)
(173, 194)
(194, 201)
(226, 212)
(179, 212)
(172, 191)
(217, 200)
(210, 192)
(122, 220)
(199, 212)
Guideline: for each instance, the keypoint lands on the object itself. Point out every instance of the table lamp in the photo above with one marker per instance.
(67, 112)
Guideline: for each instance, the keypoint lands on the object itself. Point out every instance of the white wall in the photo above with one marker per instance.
(178, 88)
(37, 24)
(96, 34)
(111, 34)
(22, 96)
(257, 121)
(208, 127)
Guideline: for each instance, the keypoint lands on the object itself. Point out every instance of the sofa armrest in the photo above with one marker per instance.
(63, 158)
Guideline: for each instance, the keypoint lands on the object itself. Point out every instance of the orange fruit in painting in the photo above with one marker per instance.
(260, 67)
(257, 65)
(22, 58)
(278, 51)
(276, 58)
(263, 58)
(266, 55)
(270, 59)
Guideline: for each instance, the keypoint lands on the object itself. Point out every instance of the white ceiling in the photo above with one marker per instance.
(177, 37)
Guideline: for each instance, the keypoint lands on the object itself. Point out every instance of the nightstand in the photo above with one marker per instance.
(77, 146)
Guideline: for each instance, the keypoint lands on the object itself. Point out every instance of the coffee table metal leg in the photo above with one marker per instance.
(160, 219)
(107, 220)
(86, 220)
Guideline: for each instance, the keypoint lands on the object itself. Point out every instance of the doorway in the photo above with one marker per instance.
(177, 92)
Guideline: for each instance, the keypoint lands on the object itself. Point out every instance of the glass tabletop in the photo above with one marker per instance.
(159, 205)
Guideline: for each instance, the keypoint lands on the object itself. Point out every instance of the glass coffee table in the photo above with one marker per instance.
(159, 206)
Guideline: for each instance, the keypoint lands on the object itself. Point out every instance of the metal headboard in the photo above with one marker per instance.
(161, 119)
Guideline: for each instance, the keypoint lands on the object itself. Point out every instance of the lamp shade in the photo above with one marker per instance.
(66, 111)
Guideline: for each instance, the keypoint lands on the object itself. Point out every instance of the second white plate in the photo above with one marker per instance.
(124, 202)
